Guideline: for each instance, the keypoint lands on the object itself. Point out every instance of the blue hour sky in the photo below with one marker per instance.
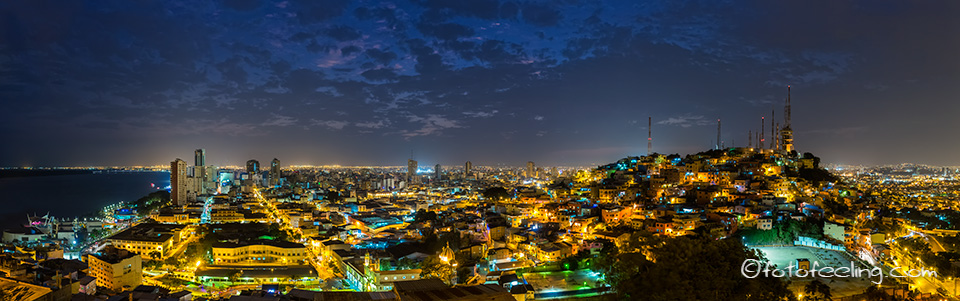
(493, 82)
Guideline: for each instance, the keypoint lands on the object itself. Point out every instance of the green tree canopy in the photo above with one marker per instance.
(817, 291)
(685, 268)
(496, 193)
(434, 268)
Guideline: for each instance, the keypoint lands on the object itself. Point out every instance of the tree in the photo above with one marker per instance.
(817, 291)
(333, 196)
(172, 261)
(496, 193)
(685, 268)
(153, 264)
(434, 268)
(817, 175)
(234, 276)
(816, 160)
(873, 292)
(914, 244)
(424, 216)
(155, 254)
(405, 263)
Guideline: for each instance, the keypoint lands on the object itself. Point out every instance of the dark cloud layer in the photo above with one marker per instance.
(569, 82)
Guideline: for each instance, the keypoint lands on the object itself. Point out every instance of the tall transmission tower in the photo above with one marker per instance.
(649, 135)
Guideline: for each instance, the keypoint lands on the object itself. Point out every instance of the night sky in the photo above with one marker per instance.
(556, 82)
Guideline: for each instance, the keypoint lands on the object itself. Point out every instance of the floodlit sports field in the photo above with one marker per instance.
(547, 282)
(785, 256)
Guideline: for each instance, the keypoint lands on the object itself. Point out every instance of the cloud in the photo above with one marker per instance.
(314, 11)
(280, 120)
(686, 120)
(486, 9)
(445, 31)
(350, 50)
(242, 5)
(343, 33)
(538, 118)
(540, 15)
(303, 80)
(381, 56)
(481, 114)
(373, 125)
(330, 124)
(335, 58)
(379, 75)
(431, 125)
(219, 126)
(765, 102)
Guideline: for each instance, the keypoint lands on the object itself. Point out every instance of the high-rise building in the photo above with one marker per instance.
(436, 172)
(275, 172)
(253, 167)
(200, 172)
(411, 170)
(179, 182)
(467, 168)
(200, 157)
(530, 169)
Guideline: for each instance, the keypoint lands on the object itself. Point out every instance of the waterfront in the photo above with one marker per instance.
(66, 196)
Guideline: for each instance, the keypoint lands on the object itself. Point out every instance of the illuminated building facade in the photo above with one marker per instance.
(253, 166)
(179, 182)
(275, 172)
(411, 170)
(115, 269)
(144, 239)
(261, 252)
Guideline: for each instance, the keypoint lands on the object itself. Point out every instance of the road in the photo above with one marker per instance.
(934, 243)
(312, 257)
(910, 261)
(97, 245)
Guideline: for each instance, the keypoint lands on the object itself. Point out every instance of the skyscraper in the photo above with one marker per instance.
(467, 169)
(411, 170)
(200, 157)
(179, 184)
(253, 167)
(436, 172)
(530, 169)
(200, 169)
(275, 172)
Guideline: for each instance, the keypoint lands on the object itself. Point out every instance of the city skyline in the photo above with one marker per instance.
(355, 83)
